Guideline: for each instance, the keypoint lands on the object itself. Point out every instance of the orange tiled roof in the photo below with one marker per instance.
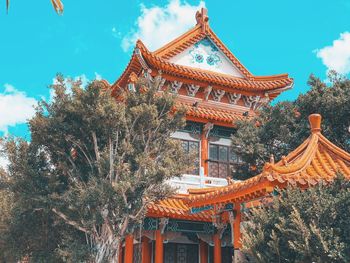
(315, 160)
(159, 60)
(213, 113)
(254, 84)
(177, 209)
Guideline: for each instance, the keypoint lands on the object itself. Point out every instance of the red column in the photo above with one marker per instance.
(129, 249)
(203, 250)
(204, 153)
(146, 250)
(159, 247)
(217, 248)
(237, 227)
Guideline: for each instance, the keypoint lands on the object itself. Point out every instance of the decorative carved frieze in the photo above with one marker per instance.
(251, 101)
(192, 90)
(207, 92)
(217, 94)
(255, 102)
(263, 101)
(175, 86)
(158, 80)
(233, 98)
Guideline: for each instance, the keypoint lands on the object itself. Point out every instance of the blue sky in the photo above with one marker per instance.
(94, 39)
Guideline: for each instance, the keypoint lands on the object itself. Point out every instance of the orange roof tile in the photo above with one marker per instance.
(177, 209)
(315, 160)
(255, 84)
(213, 113)
(159, 60)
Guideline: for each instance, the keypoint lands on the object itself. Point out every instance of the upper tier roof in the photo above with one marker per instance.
(195, 56)
(315, 160)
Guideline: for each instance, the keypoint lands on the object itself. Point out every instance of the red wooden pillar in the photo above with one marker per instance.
(159, 247)
(203, 251)
(204, 153)
(217, 248)
(237, 228)
(146, 250)
(129, 249)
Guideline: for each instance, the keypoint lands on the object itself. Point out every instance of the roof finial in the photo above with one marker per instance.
(202, 19)
(315, 122)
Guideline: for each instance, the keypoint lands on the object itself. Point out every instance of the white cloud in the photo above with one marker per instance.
(15, 107)
(158, 25)
(337, 56)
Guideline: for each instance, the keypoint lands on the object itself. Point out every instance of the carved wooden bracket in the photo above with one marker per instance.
(207, 92)
(192, 90)
(175, 86)
(233, 98)
(163, 223)
(207, 128)
(217, 94)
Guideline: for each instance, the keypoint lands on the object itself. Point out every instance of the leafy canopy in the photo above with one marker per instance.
(92, 167)
(302, 226)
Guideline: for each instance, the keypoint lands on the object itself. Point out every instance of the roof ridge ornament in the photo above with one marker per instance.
(203, 19)
(315, 122)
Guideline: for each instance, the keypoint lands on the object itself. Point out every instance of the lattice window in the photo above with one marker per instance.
(222, 161)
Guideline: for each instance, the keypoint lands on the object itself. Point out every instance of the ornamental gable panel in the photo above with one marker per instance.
(205, 55)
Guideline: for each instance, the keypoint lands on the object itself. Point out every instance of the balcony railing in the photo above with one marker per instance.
(190, 181)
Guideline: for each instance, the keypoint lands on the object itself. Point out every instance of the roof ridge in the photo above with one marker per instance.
(334, 148)
(283, 167)
(142, 46)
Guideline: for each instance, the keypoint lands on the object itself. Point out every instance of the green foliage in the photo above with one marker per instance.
(91, 169)
(302, 226)
(280, 128)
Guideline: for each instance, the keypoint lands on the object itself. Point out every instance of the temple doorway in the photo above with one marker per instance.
(181, 253)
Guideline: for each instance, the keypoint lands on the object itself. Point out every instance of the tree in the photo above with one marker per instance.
(302, 226)
(280, 128)
(57, 5)
(99, 162)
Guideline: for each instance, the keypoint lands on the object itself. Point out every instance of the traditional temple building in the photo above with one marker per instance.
(202, 222)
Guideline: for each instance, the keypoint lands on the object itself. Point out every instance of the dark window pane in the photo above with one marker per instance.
(213, 152)
(223, 153)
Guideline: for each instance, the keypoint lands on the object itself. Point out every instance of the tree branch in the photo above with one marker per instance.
(70, 222)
